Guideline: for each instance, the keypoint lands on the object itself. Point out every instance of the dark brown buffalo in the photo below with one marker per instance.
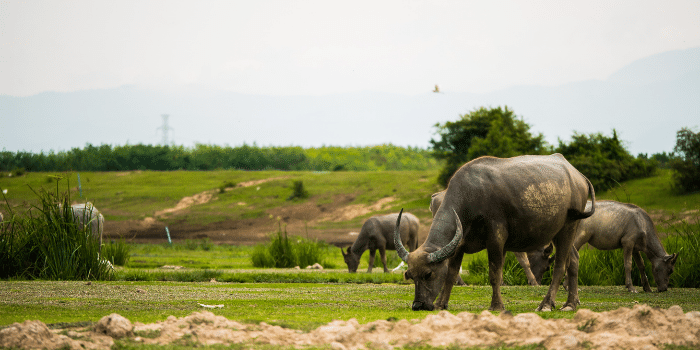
(377, 233)
(514, 204)
(534, 263)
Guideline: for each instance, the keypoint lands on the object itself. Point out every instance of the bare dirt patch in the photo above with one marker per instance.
(297, 219)
(641, 327)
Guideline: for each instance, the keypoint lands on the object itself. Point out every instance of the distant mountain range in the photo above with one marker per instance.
(646, 102)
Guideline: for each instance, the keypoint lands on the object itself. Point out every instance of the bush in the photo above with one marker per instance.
(47, 243)
(284, 252)
(604, 160)
(299, 191)
(686, 176)
(496, 132)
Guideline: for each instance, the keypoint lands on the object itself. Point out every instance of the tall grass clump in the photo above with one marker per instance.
(478, 270)
(685, 240)
(603, 268)
(200, 244)
(117, 252)
(46, 243)
(392, 259)
(284, 251)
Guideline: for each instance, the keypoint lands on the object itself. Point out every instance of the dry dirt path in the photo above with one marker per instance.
(641, 327)
(298, 219)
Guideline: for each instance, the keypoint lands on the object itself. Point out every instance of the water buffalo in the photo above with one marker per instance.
(377, 233)
(618, 225)
(534, 262)
(512, 204)
(85, 214)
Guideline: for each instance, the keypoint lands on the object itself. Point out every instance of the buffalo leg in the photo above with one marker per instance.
(496, 277)
(627, 250)
(642, 273)
(371, 259)
(525, 264)
(453, 266)
(563, 240)
(571, 276)
(382, 255)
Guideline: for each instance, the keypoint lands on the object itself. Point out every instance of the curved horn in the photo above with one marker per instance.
(403, 253)
(446, 251)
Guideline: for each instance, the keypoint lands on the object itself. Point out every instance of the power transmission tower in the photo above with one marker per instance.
(165, 128)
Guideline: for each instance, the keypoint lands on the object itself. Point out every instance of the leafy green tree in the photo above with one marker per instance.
(496, 132)
(604, 160)
(686, 166)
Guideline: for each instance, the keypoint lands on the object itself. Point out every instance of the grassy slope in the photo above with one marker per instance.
(135, 195)
(653, 193)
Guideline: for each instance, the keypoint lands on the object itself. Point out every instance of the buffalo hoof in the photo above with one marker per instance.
(497, 308)
(419, 306)
(545, 308)
(568, 308)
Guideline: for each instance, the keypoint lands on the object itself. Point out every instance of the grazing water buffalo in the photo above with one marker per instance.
(85, 214)
(377, 233)
(513, 204)
(618, 225)
(534, 262)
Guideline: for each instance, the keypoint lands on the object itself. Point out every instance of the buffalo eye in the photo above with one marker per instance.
(428, 275)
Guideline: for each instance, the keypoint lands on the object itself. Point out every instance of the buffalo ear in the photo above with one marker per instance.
(672, 258)
(548, 250)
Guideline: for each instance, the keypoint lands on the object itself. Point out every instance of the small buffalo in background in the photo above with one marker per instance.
(628, 227)
(86, 215)
(378, 233)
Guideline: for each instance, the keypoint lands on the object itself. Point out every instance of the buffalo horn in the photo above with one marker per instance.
(403, 253)
(447, 251)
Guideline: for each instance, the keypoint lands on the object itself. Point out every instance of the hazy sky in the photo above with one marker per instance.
(324, 47)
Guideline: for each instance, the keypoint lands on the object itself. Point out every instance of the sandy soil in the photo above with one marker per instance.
(641, 327)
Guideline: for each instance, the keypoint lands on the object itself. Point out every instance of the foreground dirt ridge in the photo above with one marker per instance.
(641, 327)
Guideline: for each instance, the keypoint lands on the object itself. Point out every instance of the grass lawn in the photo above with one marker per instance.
(296, 305)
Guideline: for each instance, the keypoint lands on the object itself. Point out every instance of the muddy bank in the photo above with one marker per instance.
(641, 327)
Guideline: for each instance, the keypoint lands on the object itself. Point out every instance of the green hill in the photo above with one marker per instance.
(223, 204)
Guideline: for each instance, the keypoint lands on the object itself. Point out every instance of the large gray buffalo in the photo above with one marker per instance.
(618, 225)
(534, 263)
(377, 233)
(514, 204)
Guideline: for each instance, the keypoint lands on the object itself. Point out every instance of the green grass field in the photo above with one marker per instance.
(144, 292)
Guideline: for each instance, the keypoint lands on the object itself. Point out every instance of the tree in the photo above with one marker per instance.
(686, 175)
(495, 132)
(604, 160)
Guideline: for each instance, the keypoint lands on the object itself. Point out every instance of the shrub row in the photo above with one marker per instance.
(209, 157)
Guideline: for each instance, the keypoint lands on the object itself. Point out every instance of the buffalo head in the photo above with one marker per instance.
(540, 261)
(662, 269)
(427, 266)
(351, 260)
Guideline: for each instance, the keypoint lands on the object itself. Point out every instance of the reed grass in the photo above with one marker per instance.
(45, 242)
(283, 251)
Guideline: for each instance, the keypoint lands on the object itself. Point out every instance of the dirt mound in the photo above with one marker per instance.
(641, 327)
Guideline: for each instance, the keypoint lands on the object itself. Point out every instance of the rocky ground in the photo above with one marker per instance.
(641, 327)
